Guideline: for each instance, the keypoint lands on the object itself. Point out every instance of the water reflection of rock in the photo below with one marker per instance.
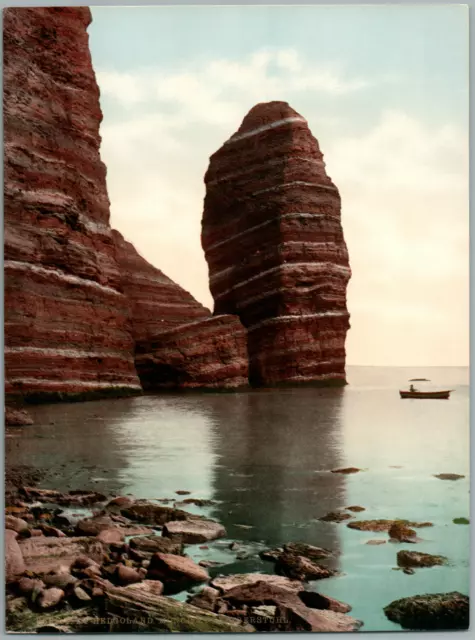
(78, 445)
(275, 450)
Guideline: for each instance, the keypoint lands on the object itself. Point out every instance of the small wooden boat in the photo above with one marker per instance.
(430, 395)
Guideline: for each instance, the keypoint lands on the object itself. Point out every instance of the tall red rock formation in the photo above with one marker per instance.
(273, 240)
(66, 320)
(178, 343)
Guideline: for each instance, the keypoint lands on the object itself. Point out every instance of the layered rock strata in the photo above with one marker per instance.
(157, 303)
(273, 240)
(67, 331)
(178, 343)
(207, 353)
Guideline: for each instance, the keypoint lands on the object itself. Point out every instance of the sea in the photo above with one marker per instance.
(265, 457)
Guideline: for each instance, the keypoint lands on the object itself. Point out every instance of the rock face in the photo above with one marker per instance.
(66, 320)
(274, 244)
(208, 353)
(157, 303)
(178, 342)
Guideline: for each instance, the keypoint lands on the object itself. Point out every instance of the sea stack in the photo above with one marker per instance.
(274, 243)
(67, 331)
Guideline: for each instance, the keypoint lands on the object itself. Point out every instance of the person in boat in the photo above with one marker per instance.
(412, 388)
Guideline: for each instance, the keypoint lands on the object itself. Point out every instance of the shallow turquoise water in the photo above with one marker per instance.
(265, 456)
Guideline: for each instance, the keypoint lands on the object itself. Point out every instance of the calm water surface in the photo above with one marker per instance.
(265, 457)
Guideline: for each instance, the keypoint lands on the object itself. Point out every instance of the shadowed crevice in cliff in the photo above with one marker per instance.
(273, 241)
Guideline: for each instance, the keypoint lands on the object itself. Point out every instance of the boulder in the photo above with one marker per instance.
(176, 572)
(207, 599)
(60, 579)
(307, 551)
(94, 526)
(42, 554)
(152, 587)
(319, 601)
(14, 561)
(419, 559)
(17, 417)
(126, 575)
(25, 586)
(300, 568)
(225, 583)
(49, 598)
(16, 524)
(153, 544)
(111, 536)
(193, 531)
(296, 616)
(429, 612)
(120, 502)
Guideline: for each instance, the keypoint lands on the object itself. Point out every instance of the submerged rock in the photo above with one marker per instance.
(461, 521)
(150, 513)
(401, 532)
(376, 542)
(419, 559)
(383, 525)
(347, 470)
(431, 611)
(449, 476)
(355, 508)
(335, 516)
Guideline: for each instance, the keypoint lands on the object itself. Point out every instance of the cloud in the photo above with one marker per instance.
(404, 188)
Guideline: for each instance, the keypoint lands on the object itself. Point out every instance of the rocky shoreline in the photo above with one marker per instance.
(83, 561)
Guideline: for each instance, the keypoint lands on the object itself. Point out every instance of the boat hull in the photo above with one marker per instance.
(429, 395)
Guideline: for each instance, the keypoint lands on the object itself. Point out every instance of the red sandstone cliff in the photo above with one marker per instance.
(178, 343)
(157, 303)
(66, 320)
(274, 244)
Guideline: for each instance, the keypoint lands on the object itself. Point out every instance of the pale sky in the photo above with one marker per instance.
(385, 92)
